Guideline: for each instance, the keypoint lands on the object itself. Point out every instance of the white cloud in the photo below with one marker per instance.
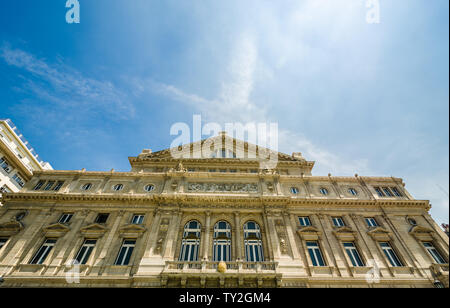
(234, 104)
(66, 87)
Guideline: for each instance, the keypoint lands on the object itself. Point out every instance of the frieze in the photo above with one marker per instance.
(223, 187)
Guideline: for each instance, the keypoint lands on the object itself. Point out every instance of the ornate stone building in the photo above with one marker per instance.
(18, 159)
(218, 222)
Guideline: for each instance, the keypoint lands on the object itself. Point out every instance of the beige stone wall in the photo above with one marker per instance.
(179, 195)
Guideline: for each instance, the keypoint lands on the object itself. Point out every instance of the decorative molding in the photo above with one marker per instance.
(380, 234)
(309, 233)
(222, 187)
(55, 230)
(94, 230)
(345, 234)
(11, 228)
(131, 231)
(422, 233)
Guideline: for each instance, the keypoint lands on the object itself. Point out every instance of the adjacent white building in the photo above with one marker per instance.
(18, 160)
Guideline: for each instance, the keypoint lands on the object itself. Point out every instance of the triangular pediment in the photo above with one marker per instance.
(10, 228)
(380, 234)
(56, 227)
(55, 230)
(344, 233)
(93, 230)
(422, 233)
(211, 149)
(309, 233)
(131, 230)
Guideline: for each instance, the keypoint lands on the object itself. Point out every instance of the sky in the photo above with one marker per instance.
(353, 96)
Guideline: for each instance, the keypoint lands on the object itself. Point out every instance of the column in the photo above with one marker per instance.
(206, 240)
(172, 234)
(290, 235)
(238, 244)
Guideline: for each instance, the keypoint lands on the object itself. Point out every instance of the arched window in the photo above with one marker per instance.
(191, 241)
(222, 242)
(253, 242)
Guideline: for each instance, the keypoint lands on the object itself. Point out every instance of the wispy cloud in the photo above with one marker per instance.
(234, 104)
(67, 88)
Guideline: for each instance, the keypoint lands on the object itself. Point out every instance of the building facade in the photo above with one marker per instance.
(18, 160)
(218, 222)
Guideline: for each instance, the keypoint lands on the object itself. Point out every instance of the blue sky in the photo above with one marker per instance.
(355, 97)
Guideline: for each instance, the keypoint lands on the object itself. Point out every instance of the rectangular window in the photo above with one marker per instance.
(65, 218)
(353, 254)
(212, 170)
(390, 254)
(58, 185)
(101, 218)
(3, 241)
(137, 219)
(49, 185)
(304, 221)
(18, 180)
(4, 189)
(315, 254)
(85, 251)
(388, 192)
(123, 258)
(253, 171)
(371, 222)
(379, 192)
(233, 170)
(5, 165)
(434, 253)
(43, 252)
(338, 222)
(396, 192)
(39, 185)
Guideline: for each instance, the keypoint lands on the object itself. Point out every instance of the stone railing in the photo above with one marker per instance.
(211, 266)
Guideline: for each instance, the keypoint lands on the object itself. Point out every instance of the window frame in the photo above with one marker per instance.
(393, 256)
(125, 252)
(305, 218)
(66, 220)
(314, 252)
(437, 256)
(44, 250)
(353, 254)
(89, 247)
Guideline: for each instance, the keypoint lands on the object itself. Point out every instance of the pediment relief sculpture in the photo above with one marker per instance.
(10, 228)
(55, 230)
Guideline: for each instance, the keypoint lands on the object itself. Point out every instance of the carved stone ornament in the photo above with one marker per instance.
(222, 267)
(380, 234)
(345, 234)
(55, 230)
(93, 231)
(131, 231)
(309, 233)
(10, 228)
(422, 233)
(223, 187)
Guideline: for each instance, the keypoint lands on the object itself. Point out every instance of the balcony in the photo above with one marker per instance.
(211, 267)
(206, 274)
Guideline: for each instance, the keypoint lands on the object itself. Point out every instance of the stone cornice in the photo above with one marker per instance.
(282, 178)
(212, 199)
